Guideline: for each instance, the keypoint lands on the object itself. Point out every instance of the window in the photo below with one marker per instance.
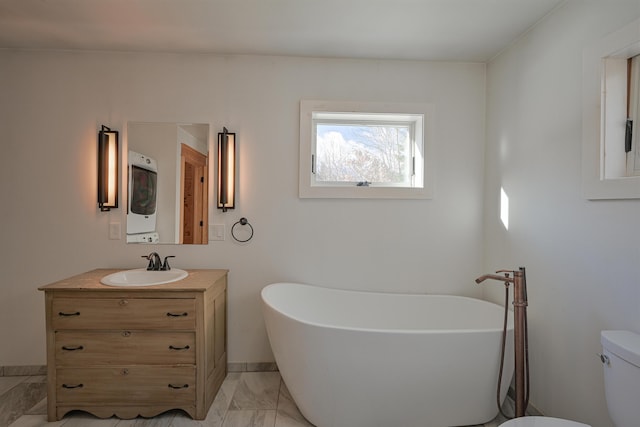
(619, 118)
(610, 107)
(364, 150)
(632, 139)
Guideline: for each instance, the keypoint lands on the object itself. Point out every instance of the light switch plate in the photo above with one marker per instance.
(216, 232)
(114, 231)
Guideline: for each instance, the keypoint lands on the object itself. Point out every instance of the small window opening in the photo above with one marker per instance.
(632, 142)
(611, 115)
(364, 150)
(621, 95)
(365, 153)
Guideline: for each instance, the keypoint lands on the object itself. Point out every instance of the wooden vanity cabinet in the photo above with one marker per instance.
(129, 351)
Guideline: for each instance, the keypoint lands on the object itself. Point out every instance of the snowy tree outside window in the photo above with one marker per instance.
(355, 150)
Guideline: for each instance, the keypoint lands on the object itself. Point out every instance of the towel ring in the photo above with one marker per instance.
(242, 221)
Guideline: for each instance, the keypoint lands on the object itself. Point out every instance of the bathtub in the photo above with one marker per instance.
(365, 359)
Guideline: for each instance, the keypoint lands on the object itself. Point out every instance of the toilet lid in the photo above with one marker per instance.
(541, 422)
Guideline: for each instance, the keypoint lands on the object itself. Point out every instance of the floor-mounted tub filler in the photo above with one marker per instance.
(365, 359)
(521, 345)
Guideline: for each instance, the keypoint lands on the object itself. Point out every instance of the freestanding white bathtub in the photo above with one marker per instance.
(364, 359)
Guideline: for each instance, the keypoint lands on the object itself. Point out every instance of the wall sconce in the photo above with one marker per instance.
(107, 169)
(226, 170)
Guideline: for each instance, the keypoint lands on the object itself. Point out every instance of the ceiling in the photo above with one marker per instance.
(447, 30)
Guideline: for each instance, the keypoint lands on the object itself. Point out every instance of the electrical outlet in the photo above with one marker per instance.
(114, 231)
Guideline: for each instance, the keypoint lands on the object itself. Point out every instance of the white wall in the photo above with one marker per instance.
(53, 103)
(582, 257)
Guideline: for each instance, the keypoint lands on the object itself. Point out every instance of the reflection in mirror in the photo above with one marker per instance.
(167, 183)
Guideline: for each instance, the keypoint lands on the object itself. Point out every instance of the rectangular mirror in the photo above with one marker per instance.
(167, 183)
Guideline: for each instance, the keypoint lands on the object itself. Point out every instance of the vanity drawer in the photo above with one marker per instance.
(125, 385)
(76, 348)
(123, 313)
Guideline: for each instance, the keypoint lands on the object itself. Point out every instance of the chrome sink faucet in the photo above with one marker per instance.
(155, 262)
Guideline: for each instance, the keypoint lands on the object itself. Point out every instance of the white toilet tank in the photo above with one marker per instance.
(621, 362)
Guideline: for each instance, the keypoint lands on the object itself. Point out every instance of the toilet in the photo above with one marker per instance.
(621, 362)
(541, 422)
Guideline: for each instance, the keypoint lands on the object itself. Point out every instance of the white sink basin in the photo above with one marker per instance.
(143, 277)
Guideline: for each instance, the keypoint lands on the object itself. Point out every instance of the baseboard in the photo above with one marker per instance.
(252, 367)
(27, 370)
(24, 370)
(532, 410)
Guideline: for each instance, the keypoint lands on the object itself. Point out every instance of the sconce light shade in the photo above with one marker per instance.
(107, 169)
(226, 170)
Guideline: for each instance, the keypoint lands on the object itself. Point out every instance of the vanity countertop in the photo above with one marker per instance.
(197, 280)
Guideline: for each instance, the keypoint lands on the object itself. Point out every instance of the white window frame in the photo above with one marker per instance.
(420, 116)
(596, 128)
(633, 157)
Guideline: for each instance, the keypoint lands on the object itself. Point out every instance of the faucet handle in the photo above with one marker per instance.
(150, 258)
(165, 265)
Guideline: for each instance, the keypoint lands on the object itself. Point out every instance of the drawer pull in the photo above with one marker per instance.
(186, 347)
(63, 314)
(170, 314)
(126, 334)
(123, 302)
(173, 386)
(72, 385)
(74, 348)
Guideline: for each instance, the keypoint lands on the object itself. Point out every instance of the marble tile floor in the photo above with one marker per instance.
(246, 399)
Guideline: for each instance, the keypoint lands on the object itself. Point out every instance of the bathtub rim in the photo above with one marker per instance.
(389, 330)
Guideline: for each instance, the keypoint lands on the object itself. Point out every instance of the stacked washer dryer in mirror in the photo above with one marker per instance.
(142, 199)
